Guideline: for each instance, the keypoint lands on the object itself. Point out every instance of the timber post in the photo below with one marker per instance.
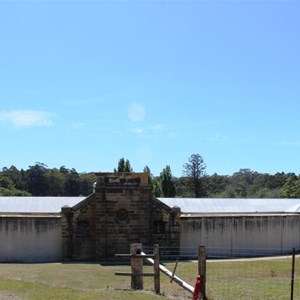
(156, 269)
(137, 281)
(202, 270)
(137, 257)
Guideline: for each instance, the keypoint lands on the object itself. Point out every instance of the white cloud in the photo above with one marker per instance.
(136, 112)
(154, 130)
(138, 130)
(158, 128)
(25, 118)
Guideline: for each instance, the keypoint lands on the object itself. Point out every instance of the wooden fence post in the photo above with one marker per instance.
(156, 269)
(293, 274)
(202, 270)
(137, 282)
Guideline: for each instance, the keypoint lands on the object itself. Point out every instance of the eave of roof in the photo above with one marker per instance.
(36, 205)
(233, 215)
(234, 205)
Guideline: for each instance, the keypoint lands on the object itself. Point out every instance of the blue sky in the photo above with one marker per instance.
(83, 84)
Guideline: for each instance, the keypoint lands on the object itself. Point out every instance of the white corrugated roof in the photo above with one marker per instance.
(187, 205)
(36, 204)
(233, 205)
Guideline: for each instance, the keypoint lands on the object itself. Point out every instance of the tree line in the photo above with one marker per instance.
(245, 183)
(39, 180)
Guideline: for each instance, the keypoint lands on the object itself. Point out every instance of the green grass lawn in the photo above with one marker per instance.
(74, 281)
(255, 279)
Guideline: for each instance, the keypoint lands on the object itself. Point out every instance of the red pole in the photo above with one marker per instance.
(198, 287)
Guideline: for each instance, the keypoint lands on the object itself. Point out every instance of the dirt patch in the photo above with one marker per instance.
(9, 296)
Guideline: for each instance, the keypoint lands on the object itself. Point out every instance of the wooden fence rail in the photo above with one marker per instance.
(137, 256)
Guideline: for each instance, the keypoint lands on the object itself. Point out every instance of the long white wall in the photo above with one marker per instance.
(241, 235)
(30, 239)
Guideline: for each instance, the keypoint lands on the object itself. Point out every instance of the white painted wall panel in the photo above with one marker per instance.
(244, 235)
(30, 239)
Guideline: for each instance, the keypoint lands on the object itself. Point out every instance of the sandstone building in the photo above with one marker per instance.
(119, 212)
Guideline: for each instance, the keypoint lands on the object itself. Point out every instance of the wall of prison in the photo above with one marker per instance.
(30, 238)
(107, 222)
(120, 212)
(241, 235)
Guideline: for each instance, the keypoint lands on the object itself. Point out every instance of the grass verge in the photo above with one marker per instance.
(254, 279)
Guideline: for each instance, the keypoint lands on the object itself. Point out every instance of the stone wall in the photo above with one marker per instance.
(106, 223)
(78, 230)
(165, 226)
(122, 203)
(241, 235)
(26, 238)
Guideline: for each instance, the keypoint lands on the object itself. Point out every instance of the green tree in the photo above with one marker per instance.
(150, 176)
(56, 182)
(13, 182)
(215, 184)
(183, 187)
(242, 182)
(278, 180)
(37, 183)
(123, 166)
(17, 177)
(167, 184)
(194, 169)
(86, 181)
(291, 188)
(156, 184)
(72, 185)
(13, 192)
(6, 182)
